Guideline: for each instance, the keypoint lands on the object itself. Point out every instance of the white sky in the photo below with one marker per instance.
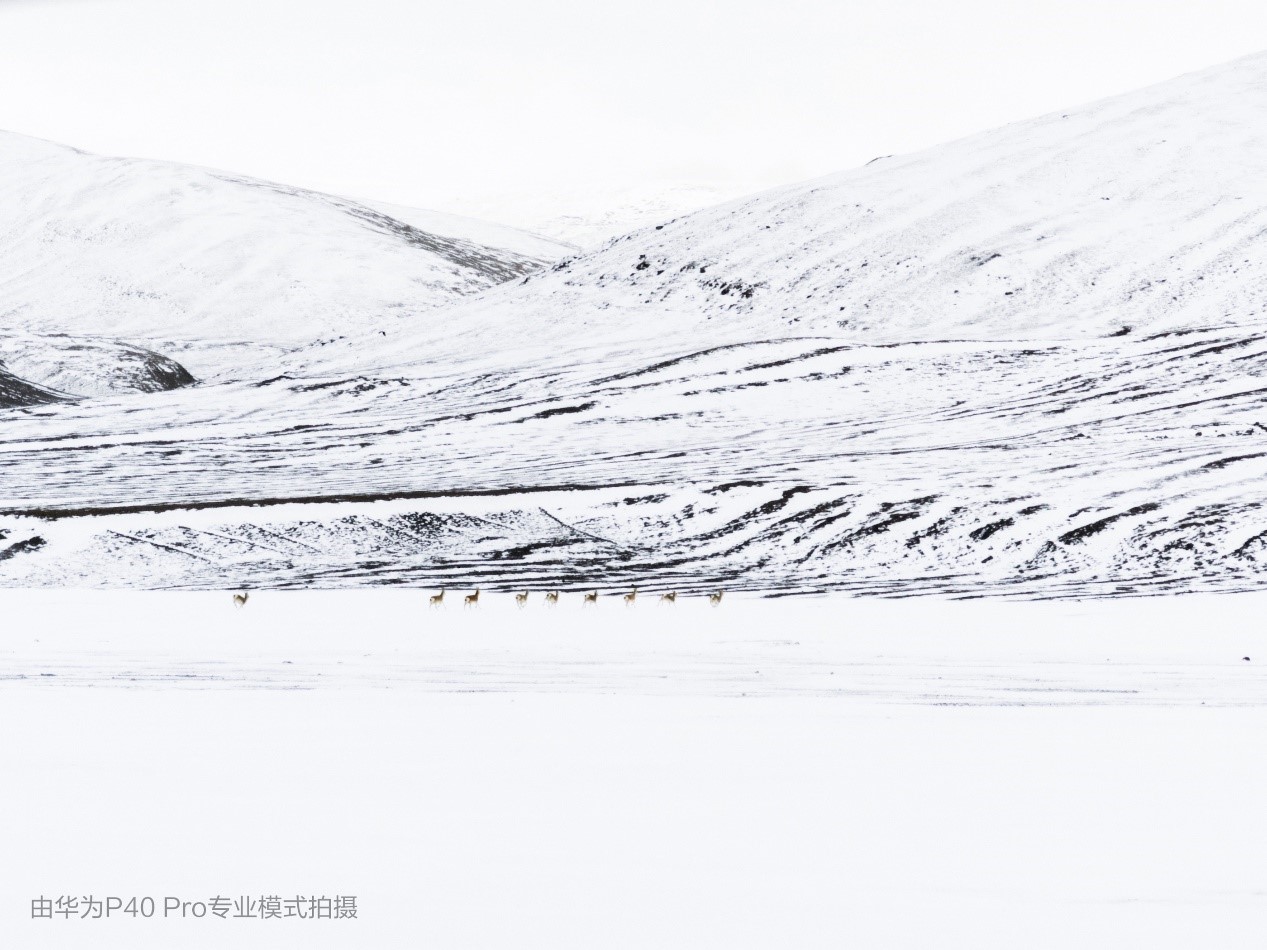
(421, 103)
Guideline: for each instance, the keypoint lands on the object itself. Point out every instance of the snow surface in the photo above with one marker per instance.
(813, 773)
(1027, 363)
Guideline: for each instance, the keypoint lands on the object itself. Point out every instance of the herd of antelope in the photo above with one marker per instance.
(551, 598)
(587, 599)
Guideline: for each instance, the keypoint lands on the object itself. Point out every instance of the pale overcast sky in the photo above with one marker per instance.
(415, 102)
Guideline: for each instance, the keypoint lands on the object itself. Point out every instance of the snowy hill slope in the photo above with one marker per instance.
(156, 251)
(1146, 211)
(964, 371)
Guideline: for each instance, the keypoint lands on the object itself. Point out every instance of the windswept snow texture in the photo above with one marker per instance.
(1033, 363)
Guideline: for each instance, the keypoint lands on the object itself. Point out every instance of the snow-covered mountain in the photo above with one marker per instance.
(1032, 361)
(149, 250)
(1141, 213)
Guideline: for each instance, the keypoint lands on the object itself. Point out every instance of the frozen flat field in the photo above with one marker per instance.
(829, 772)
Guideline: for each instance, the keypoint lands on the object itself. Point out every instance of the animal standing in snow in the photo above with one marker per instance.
(552, 597)
(521, 599)
(437, 599)
(631, 597)
(669, 598)
(472, 600)
(590, 598)
(715, 597)
(239, 600)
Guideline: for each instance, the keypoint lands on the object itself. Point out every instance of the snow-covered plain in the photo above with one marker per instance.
(1029, 362)
(816, 772)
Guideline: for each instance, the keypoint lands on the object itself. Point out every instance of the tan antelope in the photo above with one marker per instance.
(239, 600)
(669, 598)
(437, 600)
(590, 598)
(472, 600)
(715, 597)
(631, 597)
(521, 599)
(552, 597)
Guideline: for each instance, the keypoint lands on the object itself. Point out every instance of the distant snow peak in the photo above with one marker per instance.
(589, 216)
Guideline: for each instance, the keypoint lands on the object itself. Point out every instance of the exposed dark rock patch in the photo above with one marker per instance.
(15, 392)
(21, 547)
